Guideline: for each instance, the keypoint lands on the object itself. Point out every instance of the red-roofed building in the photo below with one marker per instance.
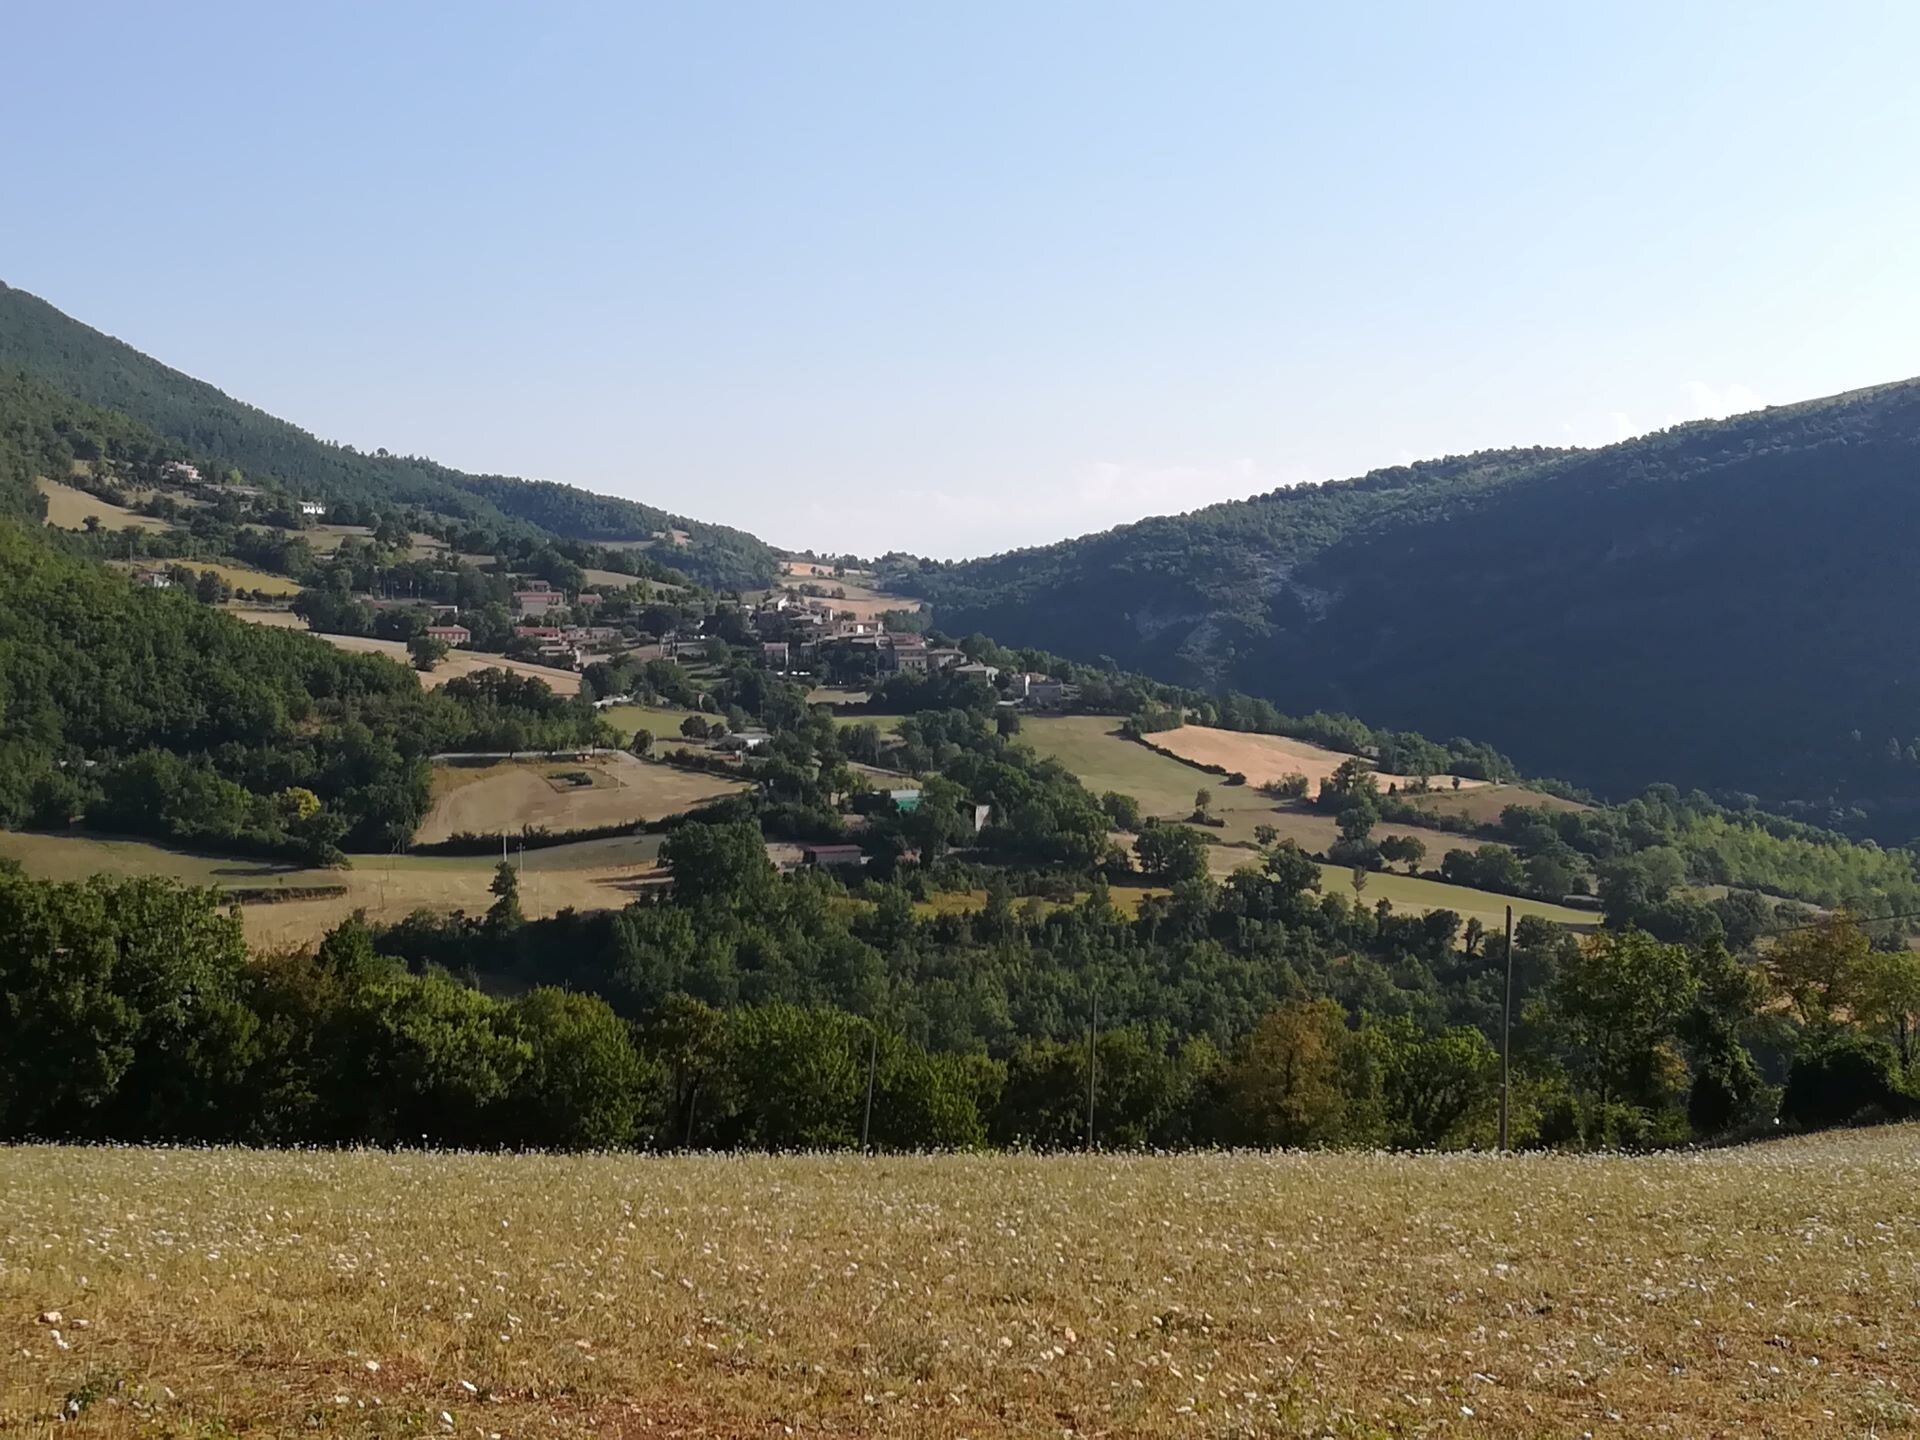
(452, 634)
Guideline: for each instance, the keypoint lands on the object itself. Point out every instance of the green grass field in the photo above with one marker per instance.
(662, 722)
(1418, 894)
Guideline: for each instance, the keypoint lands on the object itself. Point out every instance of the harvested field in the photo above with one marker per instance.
(1262, 758)
(510, 796)
(587, 875)
(797, 568)
(69, 508)
(1764, 1291)
(457, 662)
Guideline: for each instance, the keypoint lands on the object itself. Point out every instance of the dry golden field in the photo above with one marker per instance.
(241, 577)
(586, 875)
(511, 795)
(68, 508)
(1768, 1292)
(1267, 757)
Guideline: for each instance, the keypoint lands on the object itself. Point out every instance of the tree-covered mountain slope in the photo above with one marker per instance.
(95, 368)
(1726, 604)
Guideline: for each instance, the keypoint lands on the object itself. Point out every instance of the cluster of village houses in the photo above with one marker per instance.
(794, 630)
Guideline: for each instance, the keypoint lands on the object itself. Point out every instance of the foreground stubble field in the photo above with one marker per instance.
(1770, 1291)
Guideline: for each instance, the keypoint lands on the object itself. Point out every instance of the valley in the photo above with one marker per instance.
(765, 814)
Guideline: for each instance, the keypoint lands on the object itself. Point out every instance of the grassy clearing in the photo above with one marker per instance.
(589, 875)
(1483, 804)
(612, 579)
(513, 795)
(1418, 894)
(660, 721)
(1765, 1291)
(888, 724)
(69, 509)
(74, 857)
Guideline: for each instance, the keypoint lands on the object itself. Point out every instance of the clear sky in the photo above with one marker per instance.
(955, 278)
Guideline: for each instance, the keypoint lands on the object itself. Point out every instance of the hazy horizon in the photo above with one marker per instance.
(861, 279)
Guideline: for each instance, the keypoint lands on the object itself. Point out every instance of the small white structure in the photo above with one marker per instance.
(313, 509)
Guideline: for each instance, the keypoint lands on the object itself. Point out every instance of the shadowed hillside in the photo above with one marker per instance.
(1724, 604)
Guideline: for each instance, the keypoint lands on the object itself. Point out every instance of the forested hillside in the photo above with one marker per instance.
(87, 365)
(1723, 604)
(150, 713)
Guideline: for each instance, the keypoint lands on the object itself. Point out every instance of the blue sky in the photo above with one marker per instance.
(957, 278)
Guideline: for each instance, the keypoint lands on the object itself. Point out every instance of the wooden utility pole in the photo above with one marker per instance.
(873, 1057)
(1506, 1038)
(1093, 1062)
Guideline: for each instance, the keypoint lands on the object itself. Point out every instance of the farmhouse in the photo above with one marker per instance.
(833, 857)
(154, 579)
(776, 655)
(1042, 692)
(974, 670)
(180, 472)
(312, 509)
(905, 654)
(743, 741)
(586, 597)
(534, 602)
(537, 632)
(452, 634)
